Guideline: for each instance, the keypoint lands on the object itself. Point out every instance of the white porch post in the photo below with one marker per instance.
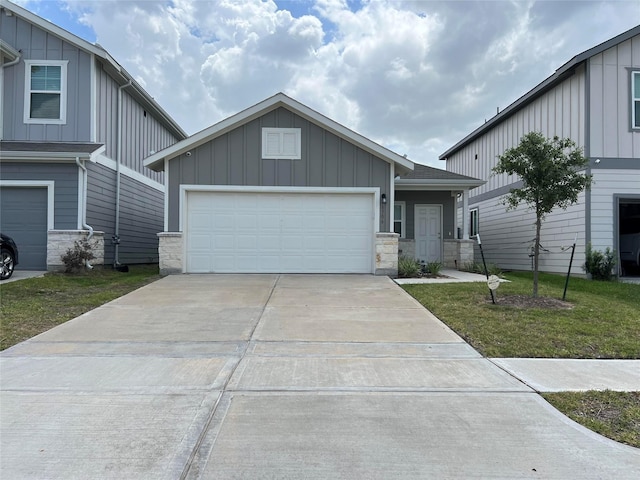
(465, 214)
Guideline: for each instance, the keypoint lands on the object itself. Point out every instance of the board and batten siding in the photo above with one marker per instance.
(413, 198)
(65, 178)
(610, 101)
(608, 183)
(560, 111)
(142, 134)
(36, 44)
(141, 215)
(235, 158)
(508, 236)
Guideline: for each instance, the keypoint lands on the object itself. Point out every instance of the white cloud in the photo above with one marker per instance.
(415, 76)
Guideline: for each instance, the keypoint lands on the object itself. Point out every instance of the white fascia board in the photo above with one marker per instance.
(437, 184)
(45, 157)
(8, 51)
(112, 164)
(156, 161)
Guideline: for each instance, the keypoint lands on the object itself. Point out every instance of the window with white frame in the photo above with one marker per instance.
(635, 99)
(399, 223)
(45, 91)
(473, 222)
(283, 143)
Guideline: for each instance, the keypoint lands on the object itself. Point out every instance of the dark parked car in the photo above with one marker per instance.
(9, 256)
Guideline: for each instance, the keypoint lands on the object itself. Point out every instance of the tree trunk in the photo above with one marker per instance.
(536, 256)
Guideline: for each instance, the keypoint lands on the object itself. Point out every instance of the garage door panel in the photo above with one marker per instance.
(281, 232)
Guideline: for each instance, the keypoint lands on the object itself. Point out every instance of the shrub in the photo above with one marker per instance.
(408, 267)
(433, 268)
(75, 258)
(599, 265)
(475, 267)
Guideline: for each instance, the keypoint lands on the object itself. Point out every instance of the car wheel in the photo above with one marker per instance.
(7, 264)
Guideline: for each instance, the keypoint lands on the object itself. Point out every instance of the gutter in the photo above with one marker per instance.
(84, 205)
(116, 235)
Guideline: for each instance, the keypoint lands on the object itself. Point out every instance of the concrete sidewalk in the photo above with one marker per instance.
(278, 376)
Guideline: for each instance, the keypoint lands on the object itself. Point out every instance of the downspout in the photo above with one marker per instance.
(116, 236)
(83, 207)
(2, 67)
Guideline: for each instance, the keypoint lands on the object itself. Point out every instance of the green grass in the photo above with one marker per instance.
(615, 415)
(604, 321)
(32, 306)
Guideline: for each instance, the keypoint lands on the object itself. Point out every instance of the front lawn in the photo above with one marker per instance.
(32, 306)
(603, 320)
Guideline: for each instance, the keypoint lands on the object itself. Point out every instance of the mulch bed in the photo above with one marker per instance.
(527, 301)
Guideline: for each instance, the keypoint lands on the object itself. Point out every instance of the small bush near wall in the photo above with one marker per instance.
(598, 264)
(76, 258)
(432, 268)
(408, 267)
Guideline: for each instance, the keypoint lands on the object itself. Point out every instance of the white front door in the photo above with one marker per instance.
(428, 233)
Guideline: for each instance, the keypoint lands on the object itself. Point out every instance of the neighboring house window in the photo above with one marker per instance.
(45, 91)
(635, 99)
(473, 222)
(398, 218)
(284, 143)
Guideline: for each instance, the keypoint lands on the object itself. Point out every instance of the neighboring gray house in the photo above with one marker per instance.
(595, 100)
(279, 187)
(74, 128)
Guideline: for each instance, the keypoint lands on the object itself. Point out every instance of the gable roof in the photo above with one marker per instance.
(561, 74)
(424, 177)
(156, 161)
(118, 72)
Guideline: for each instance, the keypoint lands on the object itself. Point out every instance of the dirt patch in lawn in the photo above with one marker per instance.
(527, 301)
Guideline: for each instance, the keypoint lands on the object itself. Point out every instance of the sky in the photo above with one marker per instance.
(415, 76)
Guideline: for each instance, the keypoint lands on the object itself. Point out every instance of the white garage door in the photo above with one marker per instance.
(242, 232)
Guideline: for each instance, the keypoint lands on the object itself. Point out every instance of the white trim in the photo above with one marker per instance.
(392, 194)
(185, 189)
(62, 120)
(635, 76)
(112, 165)
(155, 161)
(81, 197)
(470, 222)
(166, 196)
(281, 133)
(49, 185)
(465, 215)
(403, 218)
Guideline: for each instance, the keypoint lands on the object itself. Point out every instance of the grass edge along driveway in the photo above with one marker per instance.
(602, 321)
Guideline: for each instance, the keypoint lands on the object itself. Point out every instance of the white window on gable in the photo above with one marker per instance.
(282, 143)
(399, 210)
(473, 222)
(45, 92)
(635, 99)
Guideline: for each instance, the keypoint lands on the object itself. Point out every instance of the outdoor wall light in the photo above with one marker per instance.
(383, 198)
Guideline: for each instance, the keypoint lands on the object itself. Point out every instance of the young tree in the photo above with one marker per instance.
(550, 173)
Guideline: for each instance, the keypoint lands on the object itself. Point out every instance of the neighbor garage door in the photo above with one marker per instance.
(246, 232)
(23, 216)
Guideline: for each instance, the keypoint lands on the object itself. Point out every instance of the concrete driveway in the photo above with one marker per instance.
(278, 376)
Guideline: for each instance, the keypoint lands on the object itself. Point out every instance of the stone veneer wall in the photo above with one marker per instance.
(59, 241)
(387, 254)
(457, 253)
(170, 252)
(407, 247)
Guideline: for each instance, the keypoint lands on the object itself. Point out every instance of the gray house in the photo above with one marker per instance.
(594, 99)
(74, 129)
(279, 187)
